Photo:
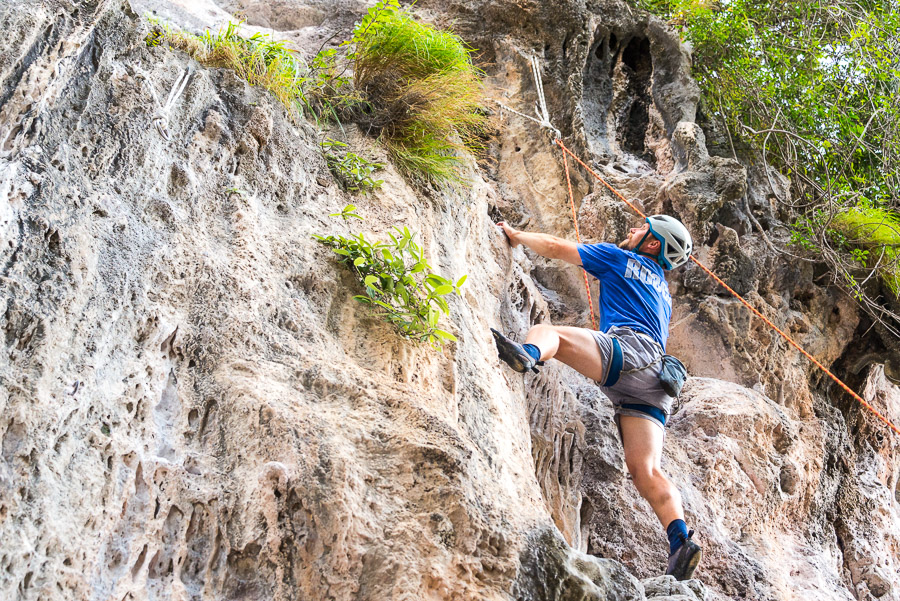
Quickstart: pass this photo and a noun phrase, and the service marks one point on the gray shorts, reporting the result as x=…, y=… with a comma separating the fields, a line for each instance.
x=642, y=354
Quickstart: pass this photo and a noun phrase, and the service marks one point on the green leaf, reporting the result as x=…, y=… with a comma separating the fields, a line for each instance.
x=370, y=280
x=436, y=280
x=444, y=289
x=444, y=335
x=461, y=281
x=440, y=302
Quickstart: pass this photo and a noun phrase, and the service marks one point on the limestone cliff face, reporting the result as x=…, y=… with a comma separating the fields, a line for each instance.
x=193, y=407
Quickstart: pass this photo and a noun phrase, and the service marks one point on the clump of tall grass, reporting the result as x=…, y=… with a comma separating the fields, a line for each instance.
x=423, y=93
x=874, y=235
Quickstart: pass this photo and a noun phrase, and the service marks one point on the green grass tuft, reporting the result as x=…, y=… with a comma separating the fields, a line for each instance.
x=265, y=62
x=413, y=86
x=875, y=233
x=423, y=93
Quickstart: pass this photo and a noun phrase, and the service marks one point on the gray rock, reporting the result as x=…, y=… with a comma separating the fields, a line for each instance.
x=666, y=587
x=193, y=406
x=550, y=570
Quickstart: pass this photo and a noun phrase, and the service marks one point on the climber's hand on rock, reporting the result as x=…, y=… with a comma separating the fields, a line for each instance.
x=511, y=233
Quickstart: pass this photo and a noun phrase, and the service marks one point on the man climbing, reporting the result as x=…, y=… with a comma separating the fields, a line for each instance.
x=625, y=356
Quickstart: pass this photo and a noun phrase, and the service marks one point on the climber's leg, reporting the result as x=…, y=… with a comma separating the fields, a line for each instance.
x=576, y=347
x=642, y=440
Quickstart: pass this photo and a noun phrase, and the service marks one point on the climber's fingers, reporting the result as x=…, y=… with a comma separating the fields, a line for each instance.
x=510, y=233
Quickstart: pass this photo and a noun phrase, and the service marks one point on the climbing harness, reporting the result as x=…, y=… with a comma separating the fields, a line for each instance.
x=544, y=122
x=161, y=116
x=616, y=361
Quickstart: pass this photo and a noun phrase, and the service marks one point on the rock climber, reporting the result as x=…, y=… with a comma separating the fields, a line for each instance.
x=625, y=356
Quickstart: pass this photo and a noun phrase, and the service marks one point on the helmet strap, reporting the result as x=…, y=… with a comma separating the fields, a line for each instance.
x=648, y=255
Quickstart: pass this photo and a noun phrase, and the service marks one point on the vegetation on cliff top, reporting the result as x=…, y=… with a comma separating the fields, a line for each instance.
x=422, y=91
x=811, y=88
x=258, y=59
x=414, y=87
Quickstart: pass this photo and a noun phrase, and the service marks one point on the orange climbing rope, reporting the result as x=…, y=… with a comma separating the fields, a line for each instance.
x=790, y=340
x=587, y=287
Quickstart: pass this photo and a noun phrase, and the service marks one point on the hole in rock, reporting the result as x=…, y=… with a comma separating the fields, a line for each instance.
x=139, y=563
x=633, y=127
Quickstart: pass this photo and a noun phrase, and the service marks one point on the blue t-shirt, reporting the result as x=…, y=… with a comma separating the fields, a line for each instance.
x=633, y=290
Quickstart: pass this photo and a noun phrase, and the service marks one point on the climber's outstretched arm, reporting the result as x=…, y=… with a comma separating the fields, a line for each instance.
x=543, y=244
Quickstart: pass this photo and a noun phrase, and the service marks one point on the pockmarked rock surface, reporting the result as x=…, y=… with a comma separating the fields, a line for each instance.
x=192, y=406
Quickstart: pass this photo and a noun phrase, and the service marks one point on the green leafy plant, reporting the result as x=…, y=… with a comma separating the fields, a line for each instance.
x=353, y=172
x=398, y=281
x=328, y=88
x=423, y=93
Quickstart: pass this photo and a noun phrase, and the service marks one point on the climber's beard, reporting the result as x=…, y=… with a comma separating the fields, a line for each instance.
x=625, y=244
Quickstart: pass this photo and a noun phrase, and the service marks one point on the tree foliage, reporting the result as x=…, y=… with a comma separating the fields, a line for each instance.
x=811, y=88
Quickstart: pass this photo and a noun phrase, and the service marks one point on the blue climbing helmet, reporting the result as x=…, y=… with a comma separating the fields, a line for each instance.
x=675, y=239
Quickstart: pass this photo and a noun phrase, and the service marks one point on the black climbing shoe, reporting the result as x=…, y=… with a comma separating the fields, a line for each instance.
x=513, y=354
x=683, y=561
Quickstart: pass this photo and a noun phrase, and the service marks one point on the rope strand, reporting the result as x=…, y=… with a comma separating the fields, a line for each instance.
x=544, y=122
x=587, y=286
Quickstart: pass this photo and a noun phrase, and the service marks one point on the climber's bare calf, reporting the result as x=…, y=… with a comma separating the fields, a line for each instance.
x=643, y=443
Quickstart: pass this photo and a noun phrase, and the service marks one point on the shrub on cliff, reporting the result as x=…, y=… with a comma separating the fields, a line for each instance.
x=872, y=237
x=398, y=282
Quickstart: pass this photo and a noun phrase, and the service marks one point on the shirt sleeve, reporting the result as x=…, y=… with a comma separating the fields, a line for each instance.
x=597, y=259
